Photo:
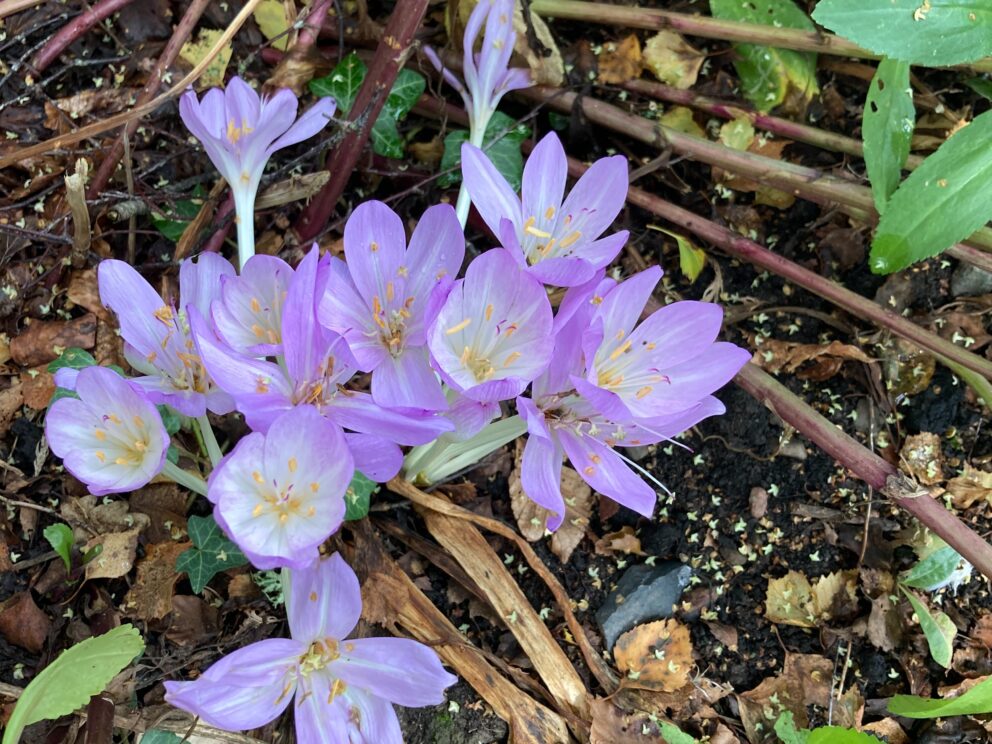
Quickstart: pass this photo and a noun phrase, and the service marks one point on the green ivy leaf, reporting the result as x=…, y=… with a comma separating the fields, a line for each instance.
x=60, y=537
x=170, y=419
x=770, y=76
x=60, y=393
x=503, y=150
x=358, y=497
x=838, y=735
x=69, y=682
x=342, y=83
x=785, y=729
x=935, y=33
x=941, y=202
x=158, y=736
x=933, y=571
x=385, y=136
x=211, y=553
x=72, y=358
x=888, y=128
x=672, y=734
x=938, y=629
x=406, y=91
x=974, y=701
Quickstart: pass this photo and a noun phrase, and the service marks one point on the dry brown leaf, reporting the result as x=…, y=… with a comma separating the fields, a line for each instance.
x=885, y=628
x=655, y=656
x=805, y=680
x=23, y=623
x=90, y=517
x=726, y=634
x=785, y=356
x=835, y=595
x=116, y=556
x=165, y=506
x=61, y=113
x=150, y=598
x=982, y=632
x=38, y=386
x=622, y=541
x=11, y=401
x=921, y=458
x=764, y=194
x=790, y=601
x=43, y=341
x=621, y=61
x=888, y=728
x=971, y=486
x=578, y=506
x=673, y=60
x=428, y=153
x=83, y=291
x=611, y=725
x=192, y=621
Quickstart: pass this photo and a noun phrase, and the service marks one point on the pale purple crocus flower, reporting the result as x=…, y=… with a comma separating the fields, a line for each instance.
x=240, y=131
x=316, y=365
x=279, y=495
x=379, y=300
x=487, y=74
x=111, y=437
x=556, y=238
x=562, y=422
x=492, y=335
x=248, y=314
x=344, y=690
x=156, y=335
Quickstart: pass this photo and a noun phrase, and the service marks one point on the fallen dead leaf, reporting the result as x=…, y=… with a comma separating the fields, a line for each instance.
x=622, y=541
x=971, y=486
x=655, y=656
x=23, y=623
x=193, y=52
x=793, y=600
x=888, y=728
x=84, y=291
x=165, y=506
x=673, y=60
x=11, y=401
x=89, y=517
x=43, y=341
x=908, y=369
x=578, y=506
x=982, y=632
x=621, y=61
x=726, y=634
x=116, y=556
x=38, y=386
x=682, y=119
x=192, y=621
x=150, y=598
x=62, y=113
x=763, y=194
x=785, y=356
x=613, y=725
x=921, y=458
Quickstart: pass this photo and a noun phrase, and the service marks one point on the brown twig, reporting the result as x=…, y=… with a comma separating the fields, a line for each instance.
x=74, y=29
x=392, y=52
x=165, y=60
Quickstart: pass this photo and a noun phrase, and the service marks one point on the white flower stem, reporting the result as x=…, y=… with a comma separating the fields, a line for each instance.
x=477, y=134
x=209, y=439
x=244, y=211
x=184, y=478
x=445, y=457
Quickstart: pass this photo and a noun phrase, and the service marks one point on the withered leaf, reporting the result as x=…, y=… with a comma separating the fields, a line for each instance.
x=23, y=623
x=673, y=60
x=150, y=598
x=784, y=356
x=655, y=656
x=116, y=556
x=922, y=458
x=971, y=486
x=43, y=341
x=621, y=61
x=622, y=541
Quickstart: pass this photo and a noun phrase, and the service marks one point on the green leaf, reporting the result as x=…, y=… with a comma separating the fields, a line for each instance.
x=69, y=682
x=170, y=419
x=358, y=497
x=785, y=728
x=60, y=393
x=211, y=553
x=941, y=202
x=60, y=537
x=158, y=736
x=406, y=91
x=385, y=136
x=72, y=358
x=501, y=143
x=672, y=734
x=172, y=229
x=933, y=571
x=981, y=85
x=691, y=259
x=934, y=33
x=342, y=83
x=770, y=76
x=938, y=629
x=839, y=735
x=974, y=701
x=888, y=128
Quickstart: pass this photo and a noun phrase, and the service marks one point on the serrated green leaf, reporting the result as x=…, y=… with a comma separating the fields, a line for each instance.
x=501, y=143
x=941, y=202
x=938, y=629
x=974, y=701
x=406, y=90
x=342, y=83
x=72, y=358
x=211, y=553
x=69, y=682
x=933, y=571
x=785, y=729
x=839, y=735
x=385, y=136
x=888, y=128
x=934, y=33
x=60, y=537
x=358, y=497
x=770, y=76
x=672, y=734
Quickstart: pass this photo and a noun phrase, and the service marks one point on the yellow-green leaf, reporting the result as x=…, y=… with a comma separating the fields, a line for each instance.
x=270, y=15
x=691, y=259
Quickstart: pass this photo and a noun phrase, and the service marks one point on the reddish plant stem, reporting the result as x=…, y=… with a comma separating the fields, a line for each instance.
x=74, y=29
x=216, y=241
x=867, y=466
x=390, y=56
x=808, y=183
x=774, y=124
x=165, y=60
x=292, y=69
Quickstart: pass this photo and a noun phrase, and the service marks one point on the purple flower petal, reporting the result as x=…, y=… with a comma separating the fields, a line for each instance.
x=491, y=194
x=324, y=600
x=318, y=721
x=597, y=198
x=376, y=458
x=540, y=466
x=200, y=280
x=407, y=381
x=358, y=412
x=544, y=183
x=399, y=670
x=313, y=120
x=606, y=472
x=248, y=314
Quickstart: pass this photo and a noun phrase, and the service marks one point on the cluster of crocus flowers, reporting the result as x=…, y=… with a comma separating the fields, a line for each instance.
x=341, y=690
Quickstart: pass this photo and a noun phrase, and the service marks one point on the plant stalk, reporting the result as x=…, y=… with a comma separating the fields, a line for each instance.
x=710, y=28
x=209, y=440
x=184, y=478
x=394, y=48
x=74, y=29
x=867, y=466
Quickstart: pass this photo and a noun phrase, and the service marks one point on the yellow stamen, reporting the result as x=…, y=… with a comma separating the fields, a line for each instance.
x=570, y=239
x=313, y=596
x=152, y=356
x=511, y=358
x=114, y=417
x=292, y=464
x=466, y=353
x=336, y=689
x=257, y=477
x=531, y=230
x=644, y=392
x=100, y=434
x=390, y=292
x=373, y=246
x=261, y=385
x=589, y=470
x=620, y=350
x=164, y=314
x=258, y=330
x=549, y=213
x=257, y=511
x=459, y=327
x=100, y=456
x=256, y=306
x=314, y=487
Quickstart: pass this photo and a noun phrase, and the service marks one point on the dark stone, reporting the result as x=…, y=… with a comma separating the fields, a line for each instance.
x=648, y=592
x=969, y=280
